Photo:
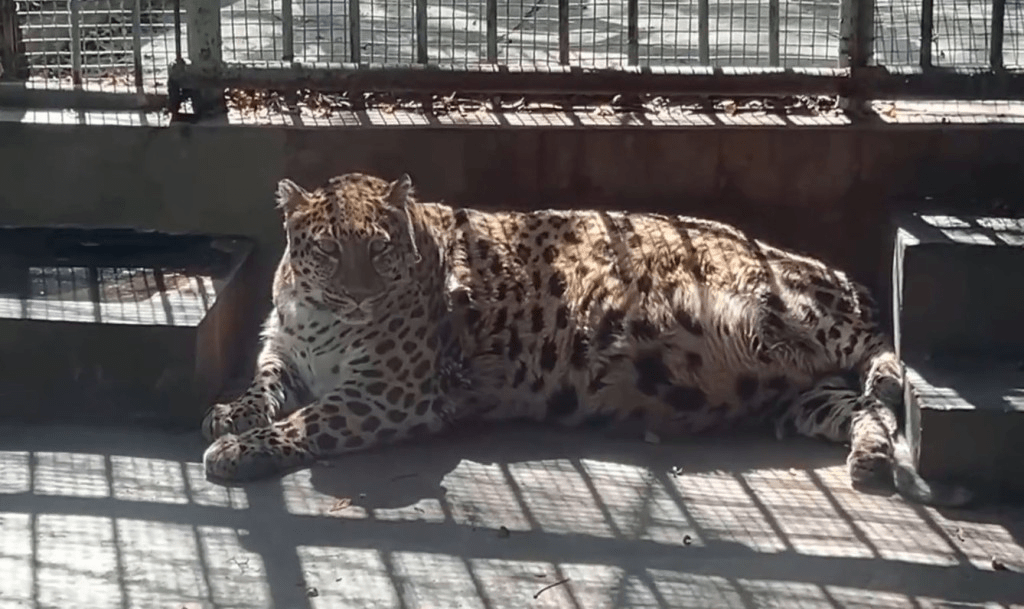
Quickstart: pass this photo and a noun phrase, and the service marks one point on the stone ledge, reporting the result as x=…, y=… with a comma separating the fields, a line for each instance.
x=118, y=326
x=967, y=422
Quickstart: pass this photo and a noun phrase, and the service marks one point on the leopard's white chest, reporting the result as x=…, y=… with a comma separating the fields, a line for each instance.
x=321, y=350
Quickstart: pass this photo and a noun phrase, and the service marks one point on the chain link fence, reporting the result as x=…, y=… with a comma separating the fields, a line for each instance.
x=127, y=45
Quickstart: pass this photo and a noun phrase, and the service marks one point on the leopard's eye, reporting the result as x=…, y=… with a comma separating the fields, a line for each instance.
x=378, y=246
x=327, y=246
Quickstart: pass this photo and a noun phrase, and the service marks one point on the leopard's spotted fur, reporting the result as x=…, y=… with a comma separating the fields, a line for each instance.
x=395, y=318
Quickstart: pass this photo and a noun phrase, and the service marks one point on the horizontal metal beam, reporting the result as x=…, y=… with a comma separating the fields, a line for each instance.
x=485, y=79
x=17, y=95
x=867, y=82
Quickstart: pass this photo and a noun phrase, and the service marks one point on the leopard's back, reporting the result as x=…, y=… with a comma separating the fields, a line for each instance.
x=676, y=322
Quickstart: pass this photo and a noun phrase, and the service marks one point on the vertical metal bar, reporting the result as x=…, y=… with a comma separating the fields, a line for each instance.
x=704, y=32
x=998, y=25
x=205, y=45
x=205, y=49
x=492, y=31
x=927, y=32
x=8, y=51
x=93, y=287
x=847, y=32
x=774, y=28
x=633, y=32
x=177, y=32
x=355, y=45
x=137, y=42
x=563, y=32
x=287, y=31
x=856, y=42
x=421, y=31
x=74, y=18
x=865, y=32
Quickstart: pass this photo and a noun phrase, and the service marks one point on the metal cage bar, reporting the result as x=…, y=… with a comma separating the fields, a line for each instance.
x=927, y=32
x=137, y=43
x=76, y=41
x=774, y=27
x=421, y=31
x=205, y=52
x=178, y=58
x=998, y=24
x=563, y=32
x=492, y=31
x=856, y=33
x=633, y=32
x=355, y=46
x=704, y=32
x=287, y=31
x=203, y=30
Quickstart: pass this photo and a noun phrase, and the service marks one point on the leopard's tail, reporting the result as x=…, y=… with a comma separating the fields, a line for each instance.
x=911, y=486
x=885, y=379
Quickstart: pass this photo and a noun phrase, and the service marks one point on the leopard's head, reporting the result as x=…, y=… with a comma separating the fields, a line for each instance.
x=350, y=242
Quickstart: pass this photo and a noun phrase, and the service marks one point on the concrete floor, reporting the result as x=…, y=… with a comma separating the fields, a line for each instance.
x=124, y=518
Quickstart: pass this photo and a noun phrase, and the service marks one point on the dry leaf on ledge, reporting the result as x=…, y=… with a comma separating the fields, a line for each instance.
x=340, y=504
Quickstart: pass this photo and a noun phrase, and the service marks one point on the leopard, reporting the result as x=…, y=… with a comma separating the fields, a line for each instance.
x=396, y=318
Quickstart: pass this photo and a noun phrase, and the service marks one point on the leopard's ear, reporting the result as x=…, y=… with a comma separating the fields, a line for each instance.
x=399, y=191
x=398, y=197
x=290, y=196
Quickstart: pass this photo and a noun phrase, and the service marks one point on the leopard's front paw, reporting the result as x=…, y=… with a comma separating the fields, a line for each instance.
x=870, y=462
x=242, y=457
x=223, y=419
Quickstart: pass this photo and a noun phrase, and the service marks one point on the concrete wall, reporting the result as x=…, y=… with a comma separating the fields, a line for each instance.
x=824, y=190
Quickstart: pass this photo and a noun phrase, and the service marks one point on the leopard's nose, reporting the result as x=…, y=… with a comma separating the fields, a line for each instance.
x=362, y=293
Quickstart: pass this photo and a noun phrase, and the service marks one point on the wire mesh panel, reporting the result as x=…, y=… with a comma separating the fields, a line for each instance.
x=125, y=45
x=600, y=37
x=739, y=33
x=669, y=32
x=388, y=31
x=319, y=28
x=897, y=32
x=384, y=32
x=962, y=33
x=111, y=295
x=809, y=33
x=113, y=45
x=251, y=30
x=1013, y=45
x=457, y=32
x=596, y=33
x=528, y=32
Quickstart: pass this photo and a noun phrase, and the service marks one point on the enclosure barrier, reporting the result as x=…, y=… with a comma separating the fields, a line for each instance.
x=191, y=49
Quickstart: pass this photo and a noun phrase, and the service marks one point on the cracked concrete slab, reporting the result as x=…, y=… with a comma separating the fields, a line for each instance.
x=524, y=517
